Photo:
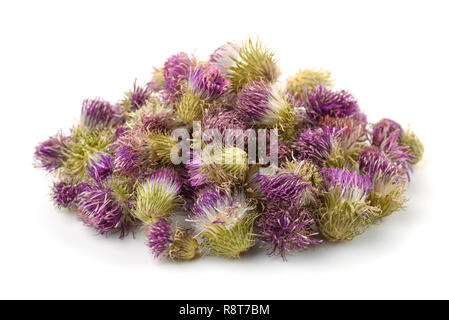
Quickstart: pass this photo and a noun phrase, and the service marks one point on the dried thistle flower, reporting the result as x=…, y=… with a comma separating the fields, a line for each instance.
x=384, y=129
x=205, y=84
x=106, y=206
x=224, y=223
x=65, y=193
x=176, y=71
x=100, y=166
x=99, y=114
x=264, y=105
x=223, y=168
x=254, y=62
x=296, y=183
x=343, y=212
x=283, y=229
x=388, y=179
x=158, y=197
x=321, y=101
x=49, y=154
x=135, y=98
x=81, y=147
x=331, y=147
x=170, y=242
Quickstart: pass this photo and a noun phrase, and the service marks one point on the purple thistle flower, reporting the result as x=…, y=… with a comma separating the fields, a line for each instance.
x=100, y=167
x=384, y=129
x=159, y=236
x=120, y=131
x=126, y=157
x=375, y=164
x=224, y=120
x=284, y=229
x=176, y=72
x=155, y=122
x=207, y=197
x=168, y=177
x=399, y=154
x=351, y=186
x=321, y=101
x=317, y=144
x=137, y=97
x=287, y=187
x=65, y=194
x=253, y=101
x=49, y=154
x=96, y=113
x=100, y=209
x=197, y=175
x=207, y=82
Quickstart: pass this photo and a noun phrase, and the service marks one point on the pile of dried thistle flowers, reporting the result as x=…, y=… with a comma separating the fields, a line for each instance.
x=336, y=173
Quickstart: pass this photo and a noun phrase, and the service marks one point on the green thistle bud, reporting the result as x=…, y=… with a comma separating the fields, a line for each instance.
x=158, y=197
x=162, y=145
x=343, y=212
x=254, y=62
x=226, y=242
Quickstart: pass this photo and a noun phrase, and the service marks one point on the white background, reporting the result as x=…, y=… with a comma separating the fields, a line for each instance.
x=392, y=55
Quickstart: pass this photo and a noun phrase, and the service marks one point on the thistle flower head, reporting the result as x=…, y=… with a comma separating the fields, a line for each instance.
x=224, y=57
x=384, y=129
x=332, y=146
x=252, y=101
x=317, y=144
x=265, y=105
x=224, y=167
x=81, y=147
x=135, y=98
x=307, y=79
x=351, y=186
x=223, y=222
x=99, y=114
x=100, y=208
x=174, y=243
x=343, y=212
x=286, y=228
x=100, y=166
x=388, y=179
x=196, y=170
x=154, y=117
x=321, y=101
x=176, y=72
x=65, y=193
x=254, y=62
x=416, y=147
x=207, y=82
x=158, y=196
x=397, y=153
x=222, y=120
x=49, y=154
x=159, y=236
x=296, y=182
